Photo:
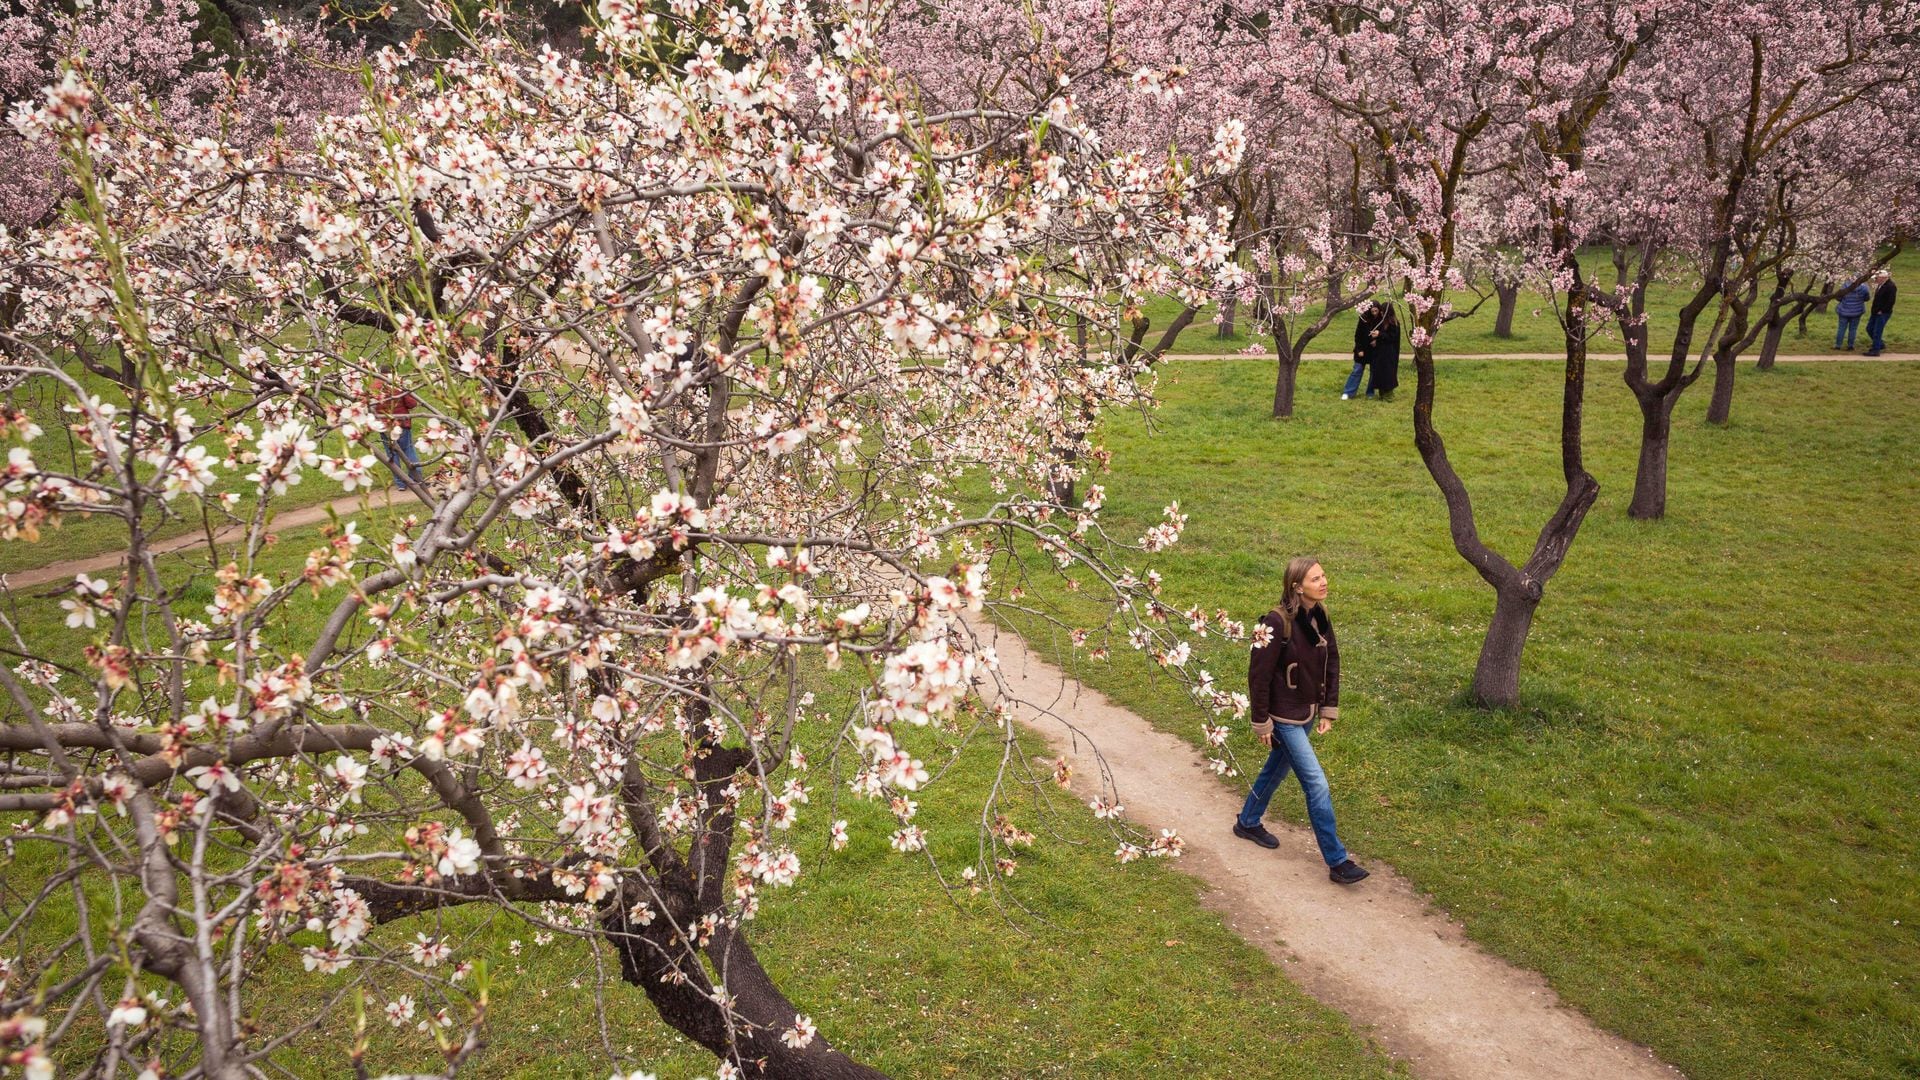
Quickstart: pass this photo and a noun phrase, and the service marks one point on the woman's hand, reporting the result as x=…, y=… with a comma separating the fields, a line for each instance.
x=1263, y=730
x=1325, y=725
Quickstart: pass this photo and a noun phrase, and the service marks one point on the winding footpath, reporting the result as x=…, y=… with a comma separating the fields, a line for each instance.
x=1402, y=971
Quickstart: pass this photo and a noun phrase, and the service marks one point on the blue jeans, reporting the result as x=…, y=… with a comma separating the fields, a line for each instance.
x=1292, y=750
x=1353, y=380
x=1843, y=334
x=395, y=450
x=1877, y=326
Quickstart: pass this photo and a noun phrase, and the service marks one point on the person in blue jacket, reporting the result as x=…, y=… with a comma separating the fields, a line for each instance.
x=1853, y=304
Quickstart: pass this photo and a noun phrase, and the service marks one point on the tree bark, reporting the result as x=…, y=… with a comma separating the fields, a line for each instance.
x=1509, y=294
x=1650, y=477
x=655, y=959
x=1770, y=344
x=1720, y=405
x=1227, y=312
x=1287, y=371
x=1496, y=678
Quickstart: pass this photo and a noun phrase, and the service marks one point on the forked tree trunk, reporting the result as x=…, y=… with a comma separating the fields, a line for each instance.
x=1496, y=678
x=1509, y=295
x=1650, y=477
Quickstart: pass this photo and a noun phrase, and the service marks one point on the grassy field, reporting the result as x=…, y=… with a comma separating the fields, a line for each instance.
x=1700, y=826
x=1088, y=969
x=1535, y=329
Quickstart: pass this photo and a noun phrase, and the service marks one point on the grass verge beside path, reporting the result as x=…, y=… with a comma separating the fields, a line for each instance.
x=1700, y=826
x=1110, y=971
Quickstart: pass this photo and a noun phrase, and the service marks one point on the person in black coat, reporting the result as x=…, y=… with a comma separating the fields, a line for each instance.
x=1376, y=350
x=1882, y=311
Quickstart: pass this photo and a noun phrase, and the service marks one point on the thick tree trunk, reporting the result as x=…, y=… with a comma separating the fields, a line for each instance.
x=1496, y=679
x=1770, y=344
x=1650, y=478
x=654, y=959
x=1288, y=370
x=1720, y=407
x=1227, y=312
x=1509, y=295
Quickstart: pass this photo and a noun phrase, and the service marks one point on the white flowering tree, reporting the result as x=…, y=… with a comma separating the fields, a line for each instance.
x=738, y=376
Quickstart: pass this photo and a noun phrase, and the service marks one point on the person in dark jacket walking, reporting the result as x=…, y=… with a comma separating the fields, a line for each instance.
x=1853, y=304
x=1293, y=680
x=1882, y=311
x=1376, y=342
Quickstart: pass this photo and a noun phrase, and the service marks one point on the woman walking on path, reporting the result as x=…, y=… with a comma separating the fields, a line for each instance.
x=1853, y=304
x=1376, y=350
x=1294, y=681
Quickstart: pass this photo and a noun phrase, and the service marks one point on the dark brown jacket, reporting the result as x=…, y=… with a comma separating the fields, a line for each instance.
x=1295, y=672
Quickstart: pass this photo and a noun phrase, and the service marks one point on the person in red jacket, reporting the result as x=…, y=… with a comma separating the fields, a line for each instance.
x=1293, y=681
x=394, y=407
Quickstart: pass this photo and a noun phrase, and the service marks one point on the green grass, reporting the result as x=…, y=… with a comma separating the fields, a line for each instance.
x=1700, y=825
x=79, y=536
x=1092, y=968
x=1534, y=326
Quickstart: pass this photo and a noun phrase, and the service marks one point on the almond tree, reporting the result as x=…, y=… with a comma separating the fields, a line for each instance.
x=1449, y=93
x=1738, y=87
x=740, y=372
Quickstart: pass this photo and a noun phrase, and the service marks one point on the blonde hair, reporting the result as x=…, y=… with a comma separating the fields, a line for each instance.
x=1292, y=598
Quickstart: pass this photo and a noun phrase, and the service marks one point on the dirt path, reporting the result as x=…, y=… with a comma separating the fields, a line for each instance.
x=1885, y=358
x=292, y=519
x=1376, y=951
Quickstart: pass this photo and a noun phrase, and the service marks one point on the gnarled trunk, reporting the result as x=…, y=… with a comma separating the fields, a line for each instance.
x=1509, y=295
x=1496, y=678
x=1770, y=344
x=1720, y=406
x=655, y=959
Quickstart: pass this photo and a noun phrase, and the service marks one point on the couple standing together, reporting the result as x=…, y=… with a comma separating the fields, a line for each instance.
x=1853, y=304
x=1293, y=681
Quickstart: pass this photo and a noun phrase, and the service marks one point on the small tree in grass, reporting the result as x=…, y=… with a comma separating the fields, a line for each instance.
x=708, y=333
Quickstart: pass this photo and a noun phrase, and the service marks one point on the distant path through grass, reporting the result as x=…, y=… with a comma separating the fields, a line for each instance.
x=293, y=519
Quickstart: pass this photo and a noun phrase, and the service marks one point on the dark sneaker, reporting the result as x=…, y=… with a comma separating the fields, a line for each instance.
x=1259, y=835
x=1346, y=873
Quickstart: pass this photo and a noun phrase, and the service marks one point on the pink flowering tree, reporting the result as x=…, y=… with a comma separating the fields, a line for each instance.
x=1452, y=97
x=134, y=49
x=1743, y=98
x=742, y=375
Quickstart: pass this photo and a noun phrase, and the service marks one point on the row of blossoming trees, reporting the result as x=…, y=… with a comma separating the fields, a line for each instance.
x=754, y=343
